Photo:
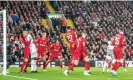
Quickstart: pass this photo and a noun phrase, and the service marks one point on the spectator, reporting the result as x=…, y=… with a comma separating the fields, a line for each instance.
x=15, y=19
x=63, y=25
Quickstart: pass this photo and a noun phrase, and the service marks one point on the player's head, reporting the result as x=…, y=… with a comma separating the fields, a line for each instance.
x=104, y=44
x=83, y=34
x=121, y=30
x=25, y=33
x=44, y=34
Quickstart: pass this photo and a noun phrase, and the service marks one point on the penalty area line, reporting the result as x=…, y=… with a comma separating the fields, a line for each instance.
x=20, y=77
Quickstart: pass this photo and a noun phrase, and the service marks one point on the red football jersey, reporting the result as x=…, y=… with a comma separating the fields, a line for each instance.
x=83, y=44
x=78, y=46
x=43, y=44
x=71, y=36
x=56, y=48
x=119, y=40
x=26, y=42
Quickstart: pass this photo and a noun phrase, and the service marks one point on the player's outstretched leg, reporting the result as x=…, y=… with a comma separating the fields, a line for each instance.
x=61, y=64
x=87, y=66
x=24, y=65
x=33, y=65
x=109, y=66
x=9, y=63
x=116, y=67
x=113, y=72
x=60, y=59
x=45, y=64
x=124, y=66
x=70, y=67
x=104, y=67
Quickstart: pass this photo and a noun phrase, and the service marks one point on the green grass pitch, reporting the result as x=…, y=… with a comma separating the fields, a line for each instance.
x=56, y=74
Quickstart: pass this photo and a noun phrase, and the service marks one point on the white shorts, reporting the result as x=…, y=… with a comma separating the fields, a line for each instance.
x=33, y=55
x=113, y=61
x=110, y=59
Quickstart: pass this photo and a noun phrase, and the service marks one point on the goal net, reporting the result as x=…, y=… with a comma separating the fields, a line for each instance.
x=3, y=60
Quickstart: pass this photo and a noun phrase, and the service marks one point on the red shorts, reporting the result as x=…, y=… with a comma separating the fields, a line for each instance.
x=71, y=48
x=118, y=53
x=26, y=52
x=76, y=56
x=54, y=56
x=26, y=55
x=84, y=54
x=41, y=53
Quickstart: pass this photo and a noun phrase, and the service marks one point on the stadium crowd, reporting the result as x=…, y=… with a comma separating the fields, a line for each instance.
x=100, y=19
x=103, y=18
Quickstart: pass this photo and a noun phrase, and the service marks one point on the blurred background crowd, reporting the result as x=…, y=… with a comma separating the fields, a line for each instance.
x=100, y=19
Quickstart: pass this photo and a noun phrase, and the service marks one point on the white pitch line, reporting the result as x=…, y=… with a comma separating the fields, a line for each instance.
x=20, y=77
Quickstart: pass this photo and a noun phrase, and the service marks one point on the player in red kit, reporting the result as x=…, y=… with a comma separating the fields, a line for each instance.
x=119, y=45
x=26, y=43
x=84, y=56
x=43, y=48
x=71, y=36
x=75, y=57
x=55, y=52
x=79, y=54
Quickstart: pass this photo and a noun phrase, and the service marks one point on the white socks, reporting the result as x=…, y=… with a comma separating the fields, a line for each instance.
x=33, y=65
x=105, y=66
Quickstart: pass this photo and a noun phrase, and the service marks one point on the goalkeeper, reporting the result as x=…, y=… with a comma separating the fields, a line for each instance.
x=12, y=52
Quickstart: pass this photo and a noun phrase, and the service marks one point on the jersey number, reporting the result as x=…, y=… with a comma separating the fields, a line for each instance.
x=117, y=39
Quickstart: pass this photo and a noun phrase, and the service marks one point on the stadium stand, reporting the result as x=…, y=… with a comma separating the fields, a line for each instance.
x=103, y=20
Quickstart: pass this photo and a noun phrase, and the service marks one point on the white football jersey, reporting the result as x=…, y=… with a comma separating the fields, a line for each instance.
x=33, y=49
x=110, y=50
x=110, y=53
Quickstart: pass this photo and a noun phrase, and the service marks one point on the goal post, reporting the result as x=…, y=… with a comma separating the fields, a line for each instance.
x=3, y=18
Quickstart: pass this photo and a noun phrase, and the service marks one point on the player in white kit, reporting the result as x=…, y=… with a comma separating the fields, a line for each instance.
x=33, y=52
x=109, y=59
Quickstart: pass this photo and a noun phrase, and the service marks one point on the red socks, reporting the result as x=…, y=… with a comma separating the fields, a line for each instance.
x=45, y=65
x=116, y=66
x=23, y=67
x=87, y=66
x=109, y=65
x=61, y=66
x=71, y=66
